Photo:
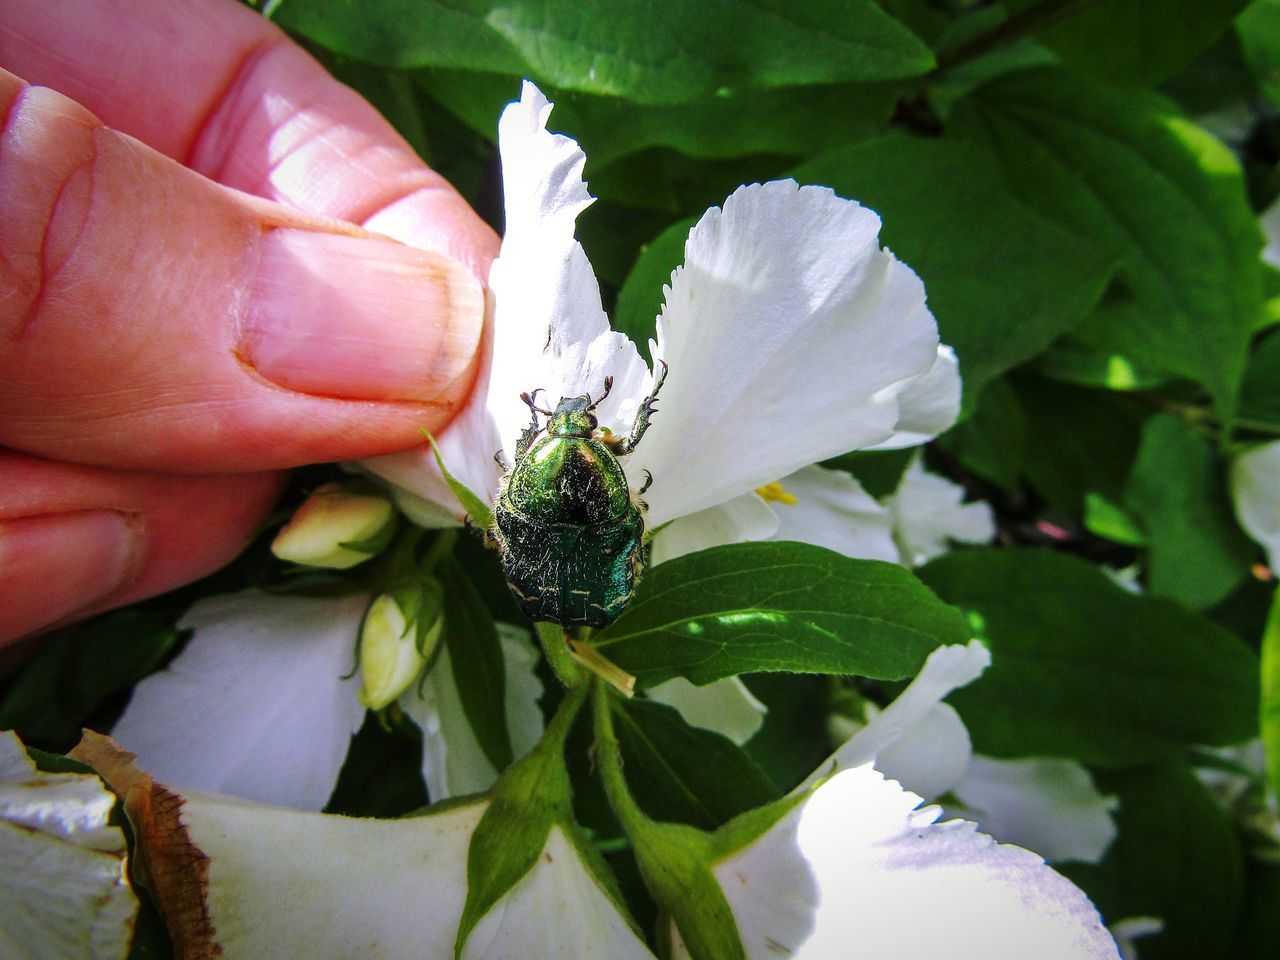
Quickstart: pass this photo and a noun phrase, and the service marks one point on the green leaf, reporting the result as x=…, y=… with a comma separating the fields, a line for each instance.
x=1137, y=42
x=1103, y=518
x=382, y=774
x=1259, y=929
x=1083, y=669
x=992, y=442
x=1077, y=441
x=1259, y=30
x=1003, y=281
x=650, y=51
x=79, y=669
x=475, y=654
x=765, y=607
x=1195, y=551
x=678, y=772
x=1176, y=857
x=794, y=738
x=788, y=121
x=1259, y=398
x=1151, y=189
x=1269, y=709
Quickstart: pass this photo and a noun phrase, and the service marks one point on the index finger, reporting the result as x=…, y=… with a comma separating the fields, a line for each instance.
x=224, y=91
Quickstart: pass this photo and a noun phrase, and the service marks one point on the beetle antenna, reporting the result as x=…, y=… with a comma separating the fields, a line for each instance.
x=608, y=385
x=531, y=400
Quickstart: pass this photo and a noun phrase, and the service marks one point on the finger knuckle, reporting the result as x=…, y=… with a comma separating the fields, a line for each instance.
x=47, y=155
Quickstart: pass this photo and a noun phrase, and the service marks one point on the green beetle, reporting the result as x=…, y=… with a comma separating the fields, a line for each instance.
x=566, y=522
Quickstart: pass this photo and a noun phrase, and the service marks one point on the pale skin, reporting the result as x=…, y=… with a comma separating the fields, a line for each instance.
x=192, y=297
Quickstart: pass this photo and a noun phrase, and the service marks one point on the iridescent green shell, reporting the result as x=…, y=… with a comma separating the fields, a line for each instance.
x=569, y=532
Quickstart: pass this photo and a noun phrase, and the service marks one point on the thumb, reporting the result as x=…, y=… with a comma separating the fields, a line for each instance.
x=150, y=318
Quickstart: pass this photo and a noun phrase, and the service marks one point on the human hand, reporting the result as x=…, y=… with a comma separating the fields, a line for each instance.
x=168, y=345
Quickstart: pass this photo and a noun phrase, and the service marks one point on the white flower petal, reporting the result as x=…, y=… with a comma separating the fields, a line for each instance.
x=1045, y=804
x=833, y=511
x=322, y=886
x=946, y=669
x=556, y=910
x=60, y=901
x=930, y=755
x=244, y=880
x=256, y=705
x=738, y=520
x=63, y=889
x=15, y=764
x=70, y=806
x=928, y=513
x=549, y=328
x=453, y=762
x=785, y=295
x=724, y=706
x=1255, y=487
x=888, y=881
x=929, y=405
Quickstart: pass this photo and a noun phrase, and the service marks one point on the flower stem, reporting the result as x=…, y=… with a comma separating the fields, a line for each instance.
x=1024, y=24
x=555, y=644
x=595, y=661
x=609, y=758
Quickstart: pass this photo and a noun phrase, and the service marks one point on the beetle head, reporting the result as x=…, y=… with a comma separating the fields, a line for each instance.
x=573, y=418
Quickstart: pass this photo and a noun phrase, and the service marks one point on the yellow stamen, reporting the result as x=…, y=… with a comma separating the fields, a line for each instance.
x=777, y=493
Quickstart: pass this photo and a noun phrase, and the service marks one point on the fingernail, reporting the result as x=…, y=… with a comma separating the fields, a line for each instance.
x=55, y=564
x=360, y=318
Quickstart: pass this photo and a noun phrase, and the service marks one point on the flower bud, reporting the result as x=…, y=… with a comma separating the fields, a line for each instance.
x=336, y=528
x=400, y=634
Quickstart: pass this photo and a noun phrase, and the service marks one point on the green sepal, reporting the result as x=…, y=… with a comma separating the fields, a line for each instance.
x=474, y=505
x=531, y=796
x=675, y=861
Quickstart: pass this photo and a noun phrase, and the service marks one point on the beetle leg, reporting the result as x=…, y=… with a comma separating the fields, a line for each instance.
x=529, y=433
x=500, y=459
x=648, y=482
x=647, y=409
x=608, y=385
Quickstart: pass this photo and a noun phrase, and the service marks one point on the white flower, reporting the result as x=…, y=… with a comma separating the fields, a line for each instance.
x=262, y=703
x=856, y=869
x=789, y=334
x=1049, y=805
x=1255, y=487
x=919, y=521
x=929, y=513
x=64, y=893
x=240, y=879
